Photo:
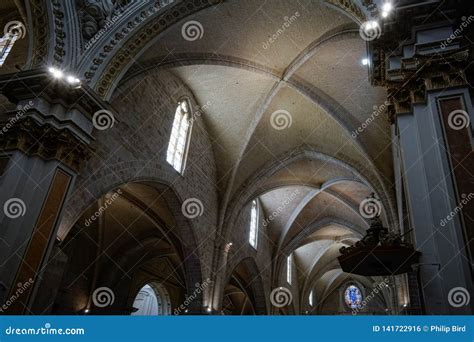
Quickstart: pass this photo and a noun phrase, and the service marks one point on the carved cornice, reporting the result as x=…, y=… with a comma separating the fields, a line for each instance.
x=40, y=21
x=350, y=7
x=45, y=141
x=415, y=54
x=59, y=30
x=56, y=121
x=129, y=47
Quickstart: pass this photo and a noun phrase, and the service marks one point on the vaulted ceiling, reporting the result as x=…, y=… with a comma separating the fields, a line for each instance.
x=253, y=63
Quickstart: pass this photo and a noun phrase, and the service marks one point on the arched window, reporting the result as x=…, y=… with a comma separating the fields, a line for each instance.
x=152, y=300
x=353, y=297
x=289, y=268
x=310, y=298
x=253, y=233
x=6, y=44
x=179, y=139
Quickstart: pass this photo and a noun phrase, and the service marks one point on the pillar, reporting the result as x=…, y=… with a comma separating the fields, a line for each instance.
x=43, y=144
x=420, y=58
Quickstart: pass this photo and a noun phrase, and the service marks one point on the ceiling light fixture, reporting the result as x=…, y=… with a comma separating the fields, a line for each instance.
x=56, y=73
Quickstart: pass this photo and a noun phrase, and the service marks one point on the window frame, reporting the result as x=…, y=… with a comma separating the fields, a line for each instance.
x=289, y=269
x=254, y=204
x=188, y=135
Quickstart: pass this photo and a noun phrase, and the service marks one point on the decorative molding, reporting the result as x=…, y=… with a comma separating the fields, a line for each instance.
x=350, y=7
x=124, y=52
x=416, y=53
x=45, y=141
x=41, y=37
x=59, y=30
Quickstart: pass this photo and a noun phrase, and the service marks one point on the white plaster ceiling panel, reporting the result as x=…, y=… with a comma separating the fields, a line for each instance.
x=332, y=231
x=353, y=191
x=323, y=206
x=278, y=205
x=310, y=125
x=336, y=68
x=310, y=172
x=271, y=32
x=230, y=98
x=306, y=255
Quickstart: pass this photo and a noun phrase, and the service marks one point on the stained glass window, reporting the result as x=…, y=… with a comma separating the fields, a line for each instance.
x=253, y=225
x=353, y=297
x=178, y=144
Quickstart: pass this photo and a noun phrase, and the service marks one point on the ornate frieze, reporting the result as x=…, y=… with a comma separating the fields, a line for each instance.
x=53, y=120
x=94, y=14
x=420, y=50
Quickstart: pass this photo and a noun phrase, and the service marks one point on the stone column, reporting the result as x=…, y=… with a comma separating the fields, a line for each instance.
x=420, y=58
x=43, y=144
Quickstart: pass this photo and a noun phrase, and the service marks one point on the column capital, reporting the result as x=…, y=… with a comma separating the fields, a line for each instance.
x=52, y=120
x=421, y=48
